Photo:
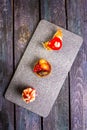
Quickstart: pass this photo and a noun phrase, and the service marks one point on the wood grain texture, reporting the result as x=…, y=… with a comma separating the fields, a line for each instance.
x=75, y=24
x=54, y=11
x=58, y=118
x=6, y=64
x=84, y=65
x=26, y=17
x=76, y=94
x=85, y=95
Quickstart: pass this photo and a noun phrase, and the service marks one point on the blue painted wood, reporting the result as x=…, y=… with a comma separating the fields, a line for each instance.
x=26, y=17
x=58, y=12
x=58, y=119
x=85, y=66
x=54, y=11
x=75, y=13
x=6, y=64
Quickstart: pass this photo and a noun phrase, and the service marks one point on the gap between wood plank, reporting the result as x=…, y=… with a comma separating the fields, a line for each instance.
x=13, y=34
x=69, y=102
x=13, y=55
x=69, y=72
x=39, y=10
x=66, y=14
x=41, y=123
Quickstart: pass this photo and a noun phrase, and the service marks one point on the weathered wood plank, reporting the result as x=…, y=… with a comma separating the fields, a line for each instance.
x=75, y=24
x=54, y=11
x=6, y=64
x=58, y=118
x=76, y=94
x=85, y=66
x=26, y=17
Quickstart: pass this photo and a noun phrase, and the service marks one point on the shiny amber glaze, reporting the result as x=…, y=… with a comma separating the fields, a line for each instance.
x=42, y=68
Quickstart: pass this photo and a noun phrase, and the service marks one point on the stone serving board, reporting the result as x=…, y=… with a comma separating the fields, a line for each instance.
x=48, y=87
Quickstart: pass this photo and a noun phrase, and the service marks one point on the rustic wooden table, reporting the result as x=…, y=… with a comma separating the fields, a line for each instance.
x=18, y=20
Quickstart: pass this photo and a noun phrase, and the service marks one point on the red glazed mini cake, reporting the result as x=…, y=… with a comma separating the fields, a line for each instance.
x=29, y=94
x=42, y=68
x=55, y=43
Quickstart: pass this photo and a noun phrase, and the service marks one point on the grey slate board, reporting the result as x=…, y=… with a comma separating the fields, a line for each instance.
x=49, y=87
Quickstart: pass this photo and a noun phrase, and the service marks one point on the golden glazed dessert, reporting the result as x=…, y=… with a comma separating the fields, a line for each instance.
x=55, y=43
x=29, y=94
x=42, y=68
